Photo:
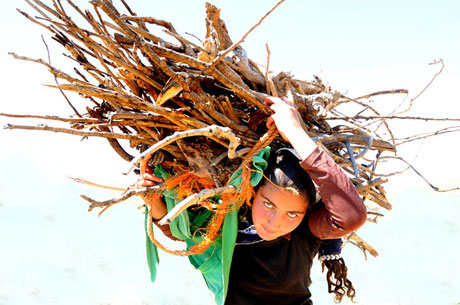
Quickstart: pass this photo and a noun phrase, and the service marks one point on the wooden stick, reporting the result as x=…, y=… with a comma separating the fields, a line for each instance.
x=209, y=131
x=364, y=187
x=394, y=91
x=363, y=244
x=219, y=58
x=194, y=199
x=355, y=139
x=83, y=181
x=128, y=194
x=108, y=135
x=392, y=117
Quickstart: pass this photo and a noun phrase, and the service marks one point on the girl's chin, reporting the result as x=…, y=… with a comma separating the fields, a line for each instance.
x=267, y=234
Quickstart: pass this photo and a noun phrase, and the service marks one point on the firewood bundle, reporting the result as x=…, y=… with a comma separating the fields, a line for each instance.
x=198, y=105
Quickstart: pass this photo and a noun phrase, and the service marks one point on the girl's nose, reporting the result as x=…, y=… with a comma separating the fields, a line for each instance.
x=274, y=220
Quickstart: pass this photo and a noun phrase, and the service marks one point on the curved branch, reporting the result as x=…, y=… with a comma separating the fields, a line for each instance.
x=194, y=199
x=426, y=87
x=209, y=131
x=437, y=189
x=129, y=193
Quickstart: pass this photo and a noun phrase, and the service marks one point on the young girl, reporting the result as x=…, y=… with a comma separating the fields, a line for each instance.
x=282, y=232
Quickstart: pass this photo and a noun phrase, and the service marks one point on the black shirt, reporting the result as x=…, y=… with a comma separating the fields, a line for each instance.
x=273, y=272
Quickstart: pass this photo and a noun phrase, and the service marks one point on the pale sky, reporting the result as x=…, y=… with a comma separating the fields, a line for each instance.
x=54, y=252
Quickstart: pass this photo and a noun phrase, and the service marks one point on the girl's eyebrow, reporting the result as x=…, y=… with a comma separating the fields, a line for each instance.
x=266, y=198
x=271, y=202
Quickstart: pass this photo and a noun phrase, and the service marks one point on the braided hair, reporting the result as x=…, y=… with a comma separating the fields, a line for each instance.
x=337, y=281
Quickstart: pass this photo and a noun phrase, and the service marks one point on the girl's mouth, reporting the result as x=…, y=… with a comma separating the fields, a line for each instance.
x=268, y=230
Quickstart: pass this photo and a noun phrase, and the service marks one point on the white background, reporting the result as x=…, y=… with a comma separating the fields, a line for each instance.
x=54, y=252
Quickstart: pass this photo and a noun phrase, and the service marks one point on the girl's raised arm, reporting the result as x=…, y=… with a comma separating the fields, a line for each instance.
x=343, y=210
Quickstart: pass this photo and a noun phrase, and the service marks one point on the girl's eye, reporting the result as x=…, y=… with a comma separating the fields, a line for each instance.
x=292, y=215
x=268, y=204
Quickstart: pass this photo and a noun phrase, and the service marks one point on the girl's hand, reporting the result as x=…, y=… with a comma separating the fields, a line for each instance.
x=147, y=178
x=289, y=123
x=285, y=117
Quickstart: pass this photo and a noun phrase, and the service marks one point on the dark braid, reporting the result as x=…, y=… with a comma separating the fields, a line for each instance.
x=337, y=281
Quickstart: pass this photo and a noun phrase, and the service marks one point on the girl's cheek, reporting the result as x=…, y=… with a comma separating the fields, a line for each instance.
x=258, y=214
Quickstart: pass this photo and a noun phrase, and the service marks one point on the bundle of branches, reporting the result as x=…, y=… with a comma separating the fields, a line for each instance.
x=198, y=107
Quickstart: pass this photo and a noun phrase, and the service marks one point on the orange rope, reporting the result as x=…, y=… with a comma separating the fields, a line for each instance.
x=158, y=244
x=187, y=184
x=245, y=190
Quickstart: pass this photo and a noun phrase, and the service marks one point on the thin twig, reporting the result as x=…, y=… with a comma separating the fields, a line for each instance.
x=437, y=189
x=393, y=91
x=55, y=79
x=435, y=62
x=185, y=41
x=427, y=135
x=86, y=182
x=128, y=194
x=219, y=58
x=391, y=117
x=108, y=135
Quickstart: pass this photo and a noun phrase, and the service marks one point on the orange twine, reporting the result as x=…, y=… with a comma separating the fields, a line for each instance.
x=188, y=184
x=160, y=245
x=245, y=191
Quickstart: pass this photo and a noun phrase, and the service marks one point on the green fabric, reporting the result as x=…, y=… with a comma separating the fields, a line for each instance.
x=259, y=164
x=180, y=226
x=230, y=226
x=214, y=263
x=152, y=252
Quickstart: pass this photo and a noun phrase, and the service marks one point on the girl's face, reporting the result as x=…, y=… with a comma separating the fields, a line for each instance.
x=277, y=212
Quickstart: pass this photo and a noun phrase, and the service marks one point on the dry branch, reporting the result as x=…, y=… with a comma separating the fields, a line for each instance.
x=127, y=194
x=109, y=135
x=157, y=94
x=210, y=132
x=363, y=244
x=194, y=199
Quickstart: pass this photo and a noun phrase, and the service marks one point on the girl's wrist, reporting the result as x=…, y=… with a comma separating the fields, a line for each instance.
x=157, y=205
x=302, y=144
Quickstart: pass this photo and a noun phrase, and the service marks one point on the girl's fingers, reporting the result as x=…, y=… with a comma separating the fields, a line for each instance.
x=270, y=122
x=148, y=180
x=143, y=182
x=270, y=100
x=144, y=165
x=152, y=178
x=288, y=100
x=145, y=168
